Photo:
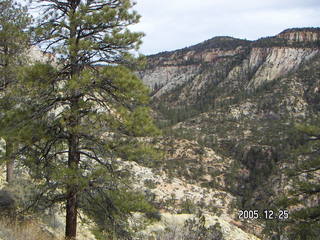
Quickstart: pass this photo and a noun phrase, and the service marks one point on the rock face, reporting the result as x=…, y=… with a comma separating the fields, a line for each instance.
x=169, y=77
x=242, y=64
x=301, y=35
x=276, y=63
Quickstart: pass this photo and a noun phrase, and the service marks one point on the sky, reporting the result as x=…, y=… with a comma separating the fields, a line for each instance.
x=175, y=24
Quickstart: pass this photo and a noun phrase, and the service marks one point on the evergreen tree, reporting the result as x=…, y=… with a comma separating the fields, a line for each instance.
x=303, y=200
x=14, y=43
x=76, y=119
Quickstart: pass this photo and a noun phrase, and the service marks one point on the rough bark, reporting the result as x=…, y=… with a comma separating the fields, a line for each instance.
x=72, y=201
x=9, y=161
x=71, y=217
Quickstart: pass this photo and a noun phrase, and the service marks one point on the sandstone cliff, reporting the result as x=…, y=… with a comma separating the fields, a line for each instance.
x=241, y=65
x=301, y=35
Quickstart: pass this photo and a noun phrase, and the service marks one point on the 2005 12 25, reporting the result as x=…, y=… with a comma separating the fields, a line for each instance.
x=266, y=214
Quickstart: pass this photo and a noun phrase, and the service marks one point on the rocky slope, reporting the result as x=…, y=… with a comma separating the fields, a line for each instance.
x=178, y=197
x=239, y=98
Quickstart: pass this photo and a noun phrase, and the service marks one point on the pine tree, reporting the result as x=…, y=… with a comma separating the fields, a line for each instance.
x=14, y=43
x=87, y=111
x=303, y=199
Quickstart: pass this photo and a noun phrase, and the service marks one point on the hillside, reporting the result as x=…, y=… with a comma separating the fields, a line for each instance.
x=241, y=99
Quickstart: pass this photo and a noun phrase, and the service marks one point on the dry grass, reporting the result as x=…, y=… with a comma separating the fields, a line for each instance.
x=23, y=230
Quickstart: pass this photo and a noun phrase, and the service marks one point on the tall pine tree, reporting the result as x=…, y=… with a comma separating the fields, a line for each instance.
x=87, y=111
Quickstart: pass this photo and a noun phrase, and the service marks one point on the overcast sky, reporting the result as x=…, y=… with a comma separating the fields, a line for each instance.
x=174, y=24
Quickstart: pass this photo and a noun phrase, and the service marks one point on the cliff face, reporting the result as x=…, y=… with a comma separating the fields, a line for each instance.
x=301, y=35
x=243, y=65
x=273, y=63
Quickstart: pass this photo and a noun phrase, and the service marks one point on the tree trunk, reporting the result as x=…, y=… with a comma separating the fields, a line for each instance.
x=71, y=217
x=72, y=189
x=9, y=161
x=74, y=121
x=73, y=165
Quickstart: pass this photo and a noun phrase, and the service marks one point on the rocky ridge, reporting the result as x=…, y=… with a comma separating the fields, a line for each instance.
x=301, y=35
x=242, y=65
